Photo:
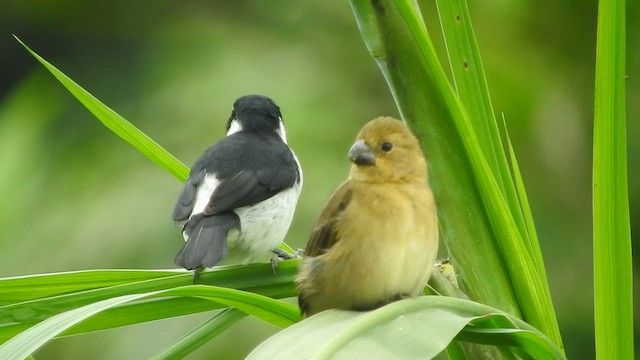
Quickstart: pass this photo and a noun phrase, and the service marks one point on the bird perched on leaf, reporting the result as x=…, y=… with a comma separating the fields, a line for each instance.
x=376, y=239
x=241, y=194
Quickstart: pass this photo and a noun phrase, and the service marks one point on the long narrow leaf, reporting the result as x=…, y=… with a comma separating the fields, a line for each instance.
x=19, y=315
x=23, y=288
x=117, y=123
x=473, y=91
x=612, y=238
x=200, y=335
x=32, y=339
x=533, y=295
x=262, y=307
x=463, y=222
x=471, y=86
x=526, y=209
x=405, y=54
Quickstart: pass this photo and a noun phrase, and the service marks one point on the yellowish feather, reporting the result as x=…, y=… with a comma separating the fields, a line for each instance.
x=377, y=238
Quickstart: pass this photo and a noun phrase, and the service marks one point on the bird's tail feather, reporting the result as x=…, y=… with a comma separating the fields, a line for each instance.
x=206, y=241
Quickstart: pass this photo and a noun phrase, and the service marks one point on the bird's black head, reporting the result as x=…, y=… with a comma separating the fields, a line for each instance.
x=255, y=113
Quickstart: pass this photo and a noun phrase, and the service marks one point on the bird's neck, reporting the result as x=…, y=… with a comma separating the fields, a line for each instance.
x=373, y=175
x=235, y=127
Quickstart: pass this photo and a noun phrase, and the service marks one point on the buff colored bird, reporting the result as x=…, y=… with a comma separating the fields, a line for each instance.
x=377, y=238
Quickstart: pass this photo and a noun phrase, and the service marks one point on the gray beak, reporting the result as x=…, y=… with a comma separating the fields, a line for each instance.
x=361, y=154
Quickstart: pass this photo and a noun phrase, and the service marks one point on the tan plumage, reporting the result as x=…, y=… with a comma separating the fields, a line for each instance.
x=377, y=238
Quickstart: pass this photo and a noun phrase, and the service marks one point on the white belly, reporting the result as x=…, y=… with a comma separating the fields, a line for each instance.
x=263, y=226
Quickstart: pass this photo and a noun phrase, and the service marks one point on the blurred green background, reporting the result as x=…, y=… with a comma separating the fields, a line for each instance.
x=76, y=197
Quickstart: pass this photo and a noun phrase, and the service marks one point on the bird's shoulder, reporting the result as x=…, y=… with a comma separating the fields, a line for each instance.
x=241, y=169
x=244, y=151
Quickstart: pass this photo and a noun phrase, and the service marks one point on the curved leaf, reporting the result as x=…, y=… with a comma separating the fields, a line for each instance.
x=25, y=343
x=413, y=328
x=262, y=307
x=200, y=335
x=43, y=296
x=117, y=123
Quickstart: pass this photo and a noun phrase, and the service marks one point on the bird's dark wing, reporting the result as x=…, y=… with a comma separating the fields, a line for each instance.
x=187, y=198
x=324, y=234
x=251, y=168
x=250, y=186
x=323, y=237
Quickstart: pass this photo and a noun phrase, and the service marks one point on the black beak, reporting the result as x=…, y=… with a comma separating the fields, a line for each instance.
x=361, y=154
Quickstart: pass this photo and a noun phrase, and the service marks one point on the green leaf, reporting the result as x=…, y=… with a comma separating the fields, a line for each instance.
x=262, y=307
x=472, y=89
x=265, y=308
x=418, y=85
x=421, y=327
x=487, y=237
x=117, y=123
x=525, y=208
x=613, y=266
x=32, y=339
x=22, y=288
x=471, y=86
x=200, y=335
x=532, y=293
x=39, y=300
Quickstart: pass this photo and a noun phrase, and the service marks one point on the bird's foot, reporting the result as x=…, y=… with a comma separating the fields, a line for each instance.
x=283, y=255
x=195, y=274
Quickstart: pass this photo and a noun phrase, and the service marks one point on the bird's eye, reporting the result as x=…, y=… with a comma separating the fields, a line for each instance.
x=386, y=147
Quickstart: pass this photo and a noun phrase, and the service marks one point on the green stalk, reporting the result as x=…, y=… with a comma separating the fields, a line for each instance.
x=467, y=177
x=613, y=269
x=200, y=335
x=472, y=89
x=417, y=85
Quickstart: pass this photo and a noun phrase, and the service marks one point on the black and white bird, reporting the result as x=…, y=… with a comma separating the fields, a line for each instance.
x=240, y=196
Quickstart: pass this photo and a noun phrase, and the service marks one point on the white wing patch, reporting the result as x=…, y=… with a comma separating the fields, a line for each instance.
x=203, y=196
x=281, y=132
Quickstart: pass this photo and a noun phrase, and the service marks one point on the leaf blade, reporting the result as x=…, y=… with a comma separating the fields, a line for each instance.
x=262, y=307
x=117, y=123
x=613, y=267
x=200, y=335
x=418, y=86
x=17, y=316
x=423, y=325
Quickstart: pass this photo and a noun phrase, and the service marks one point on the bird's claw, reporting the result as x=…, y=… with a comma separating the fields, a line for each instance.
x=282, y=255
x=195, y=274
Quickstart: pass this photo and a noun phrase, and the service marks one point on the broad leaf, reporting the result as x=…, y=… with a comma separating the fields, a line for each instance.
x=413, y=328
